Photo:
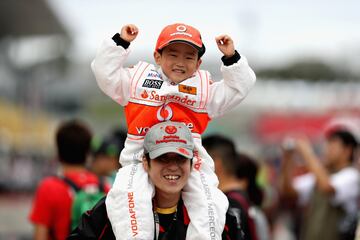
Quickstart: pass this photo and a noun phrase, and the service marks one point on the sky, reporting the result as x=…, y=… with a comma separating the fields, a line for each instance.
x=267, y=32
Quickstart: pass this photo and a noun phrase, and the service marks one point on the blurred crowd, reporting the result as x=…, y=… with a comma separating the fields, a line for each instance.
x=311, y=191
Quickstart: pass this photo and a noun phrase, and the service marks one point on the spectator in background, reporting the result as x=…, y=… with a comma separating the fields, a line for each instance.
x=237, y=179
x=106, y=153
x=246, y=172
x=51, y=210
x=330, y=190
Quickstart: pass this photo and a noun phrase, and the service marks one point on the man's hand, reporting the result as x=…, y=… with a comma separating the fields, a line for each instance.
x=225, y=45
x=304, y=147
x=129, y=32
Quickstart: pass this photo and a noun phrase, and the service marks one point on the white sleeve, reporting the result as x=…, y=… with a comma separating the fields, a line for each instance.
x=226, y=94
x=112, y=78
x=346, y=184
x=304, y=186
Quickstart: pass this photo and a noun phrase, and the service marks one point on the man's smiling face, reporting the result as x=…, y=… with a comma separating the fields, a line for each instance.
x=168, y=172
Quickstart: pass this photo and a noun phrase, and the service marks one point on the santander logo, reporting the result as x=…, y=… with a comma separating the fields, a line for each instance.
x=170, y=129
x=144, y=94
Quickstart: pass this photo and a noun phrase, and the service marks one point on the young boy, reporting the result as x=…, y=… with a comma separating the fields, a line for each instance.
x=177, y=91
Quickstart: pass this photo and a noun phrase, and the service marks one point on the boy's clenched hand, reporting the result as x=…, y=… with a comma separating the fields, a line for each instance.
x=129, y=32
x=225, y=45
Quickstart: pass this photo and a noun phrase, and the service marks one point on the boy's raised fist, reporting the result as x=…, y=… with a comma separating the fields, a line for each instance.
x=225, y=45
x=129, y=32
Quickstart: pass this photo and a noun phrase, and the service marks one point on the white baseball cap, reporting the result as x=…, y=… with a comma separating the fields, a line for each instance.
x=169, y=137
x=348, y=124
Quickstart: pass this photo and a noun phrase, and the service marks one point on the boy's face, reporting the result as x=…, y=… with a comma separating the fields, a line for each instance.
x=179, y=61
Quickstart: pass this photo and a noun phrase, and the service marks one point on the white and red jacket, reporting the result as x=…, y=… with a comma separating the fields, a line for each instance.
x=149, y=97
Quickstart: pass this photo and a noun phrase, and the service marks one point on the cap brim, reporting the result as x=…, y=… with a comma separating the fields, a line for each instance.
x=186, y=42
x=181, y=41
x=170, y=149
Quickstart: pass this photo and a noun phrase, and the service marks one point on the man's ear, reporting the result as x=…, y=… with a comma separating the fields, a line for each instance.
x=157, y=57
x=198, y=63
x=145, y=163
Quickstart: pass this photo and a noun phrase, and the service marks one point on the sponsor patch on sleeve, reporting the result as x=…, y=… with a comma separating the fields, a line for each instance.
x=187, y=89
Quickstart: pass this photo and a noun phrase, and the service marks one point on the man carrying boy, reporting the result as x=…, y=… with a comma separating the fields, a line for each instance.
x=162, y=161
x=177, y=91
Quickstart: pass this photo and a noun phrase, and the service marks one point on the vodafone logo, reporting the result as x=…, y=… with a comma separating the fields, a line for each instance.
x=170, y=129
x=181, y=28
x=164, y=113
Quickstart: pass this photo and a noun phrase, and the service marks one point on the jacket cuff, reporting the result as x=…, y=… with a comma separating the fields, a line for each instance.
x=231, y=60
x=120, y=42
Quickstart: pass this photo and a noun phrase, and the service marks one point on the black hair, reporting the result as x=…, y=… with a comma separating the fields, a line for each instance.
x=223, y=148
x=347, y=139
x=111, y=145
x=240, y=165
x=73, y=142
x=247, y=168
x=202, y=51
x=147, y=158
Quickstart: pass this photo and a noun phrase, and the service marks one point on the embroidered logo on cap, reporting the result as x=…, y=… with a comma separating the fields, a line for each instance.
x=170, y=129
x=183, y=151
x=181, y=28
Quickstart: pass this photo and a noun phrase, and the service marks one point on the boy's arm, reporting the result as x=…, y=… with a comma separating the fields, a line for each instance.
x=112, y=78
x=239, y=78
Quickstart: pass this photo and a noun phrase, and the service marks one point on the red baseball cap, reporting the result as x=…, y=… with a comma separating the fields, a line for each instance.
x=180, y=32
